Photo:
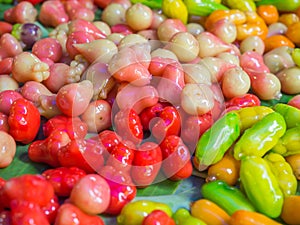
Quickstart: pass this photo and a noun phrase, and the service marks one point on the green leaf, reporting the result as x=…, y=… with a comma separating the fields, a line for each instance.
x=284, y=99
x=3, y=7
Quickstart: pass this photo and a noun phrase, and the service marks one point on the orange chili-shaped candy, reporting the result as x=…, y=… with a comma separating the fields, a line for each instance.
x=227, y=169
x=268, y=13
x=288, y=18
x=245, y=217
x=254, y=26
x=233, y=15
x=209, y=212
x=276, y=41
x=290, y=210
x=293, y=33
x=294, y=161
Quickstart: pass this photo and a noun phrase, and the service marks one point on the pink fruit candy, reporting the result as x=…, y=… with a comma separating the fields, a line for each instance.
x=52, y=13
x=23, y=12
x=137, y=98
x=47, y=48
x=253, y=64
x=76, y=10
x=68, y=213
x=86, y=27
x=73, y=99
x=7, y=98
x=6, y=65
x=129, y=65
x=9, y=46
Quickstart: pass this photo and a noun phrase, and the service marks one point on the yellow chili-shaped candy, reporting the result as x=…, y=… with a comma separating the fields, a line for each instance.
x=250, y=115
x=283, y=173
x=175, y=9
x=289, y=143
x=134, y=212
x=261, y=137
x=261, y=186
x=245, y=5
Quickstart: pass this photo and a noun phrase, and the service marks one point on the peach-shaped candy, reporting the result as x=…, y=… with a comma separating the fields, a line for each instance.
x=7, y=149
x=7, y=97
x=97, y=116
x=216, y=67
x=197, y=99
x=185, y=46
x=9, y=46
x=73, y=99
x=101, y=50
x=267, y=86
x=8, y=83
x=23, y=12
x=196, y=73
x=26, y=66
x=149, y=34
x=48, y=48
x=137, y=98
x=169, y=27
x=211, y=45
x=52, y=13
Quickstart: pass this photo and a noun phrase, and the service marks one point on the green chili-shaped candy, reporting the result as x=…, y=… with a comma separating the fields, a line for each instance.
x=283, y=173
x=203, y=7
x=261, y=137
x=182, y=216
x=228, y=197
x=289, y=143
x=133, y=213
x=261, y=186
x=153, y=4
x=213, y=144
x=290, y=113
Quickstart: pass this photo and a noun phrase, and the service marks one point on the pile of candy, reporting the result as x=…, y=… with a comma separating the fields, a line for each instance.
x=115, y=96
